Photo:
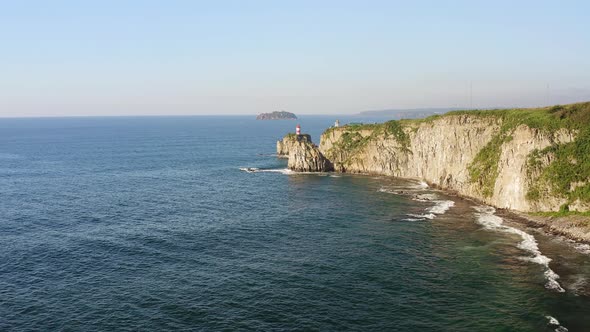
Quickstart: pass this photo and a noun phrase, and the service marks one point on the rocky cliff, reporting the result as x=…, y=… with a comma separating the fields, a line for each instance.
x=304, y=156
x=527, y=160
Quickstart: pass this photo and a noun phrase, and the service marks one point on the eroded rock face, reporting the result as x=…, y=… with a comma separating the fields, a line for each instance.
x=288, y=143
x=500, y=164
x=303, y=155
x=441, y=151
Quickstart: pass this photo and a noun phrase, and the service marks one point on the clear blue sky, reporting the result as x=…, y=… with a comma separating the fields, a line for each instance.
x=129, y=57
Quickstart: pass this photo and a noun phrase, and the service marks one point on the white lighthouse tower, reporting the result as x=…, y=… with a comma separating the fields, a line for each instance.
x=298, y=130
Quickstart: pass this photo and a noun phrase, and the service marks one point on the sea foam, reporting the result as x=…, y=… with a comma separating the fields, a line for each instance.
x=440, y=207
x=416, y=191
x=273, y=170
x=487, y=218
x=553, y=322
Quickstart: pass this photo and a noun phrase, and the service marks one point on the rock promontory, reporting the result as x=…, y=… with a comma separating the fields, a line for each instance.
x=282, y=115
x=303, y=155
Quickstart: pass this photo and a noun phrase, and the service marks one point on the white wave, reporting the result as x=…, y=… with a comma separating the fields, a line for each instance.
x=552, y=320
x=414, y=219
x=422, y=216
x=583, y=248
x=249, y=169
x=258, y=170
x=425, y=197
x=555, y=323
x=441, y=207
x=418, y=184
x=405, y=188
x=489, y=220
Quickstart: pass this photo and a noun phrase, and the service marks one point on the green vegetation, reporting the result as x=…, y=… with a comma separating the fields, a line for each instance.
x=484, y=168
x=562, y=214
x=352, y=140
x=395, y=129
x=568, y=175
x=562, y=172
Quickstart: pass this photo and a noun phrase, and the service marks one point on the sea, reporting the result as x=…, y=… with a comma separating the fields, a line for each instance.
x=191, y=223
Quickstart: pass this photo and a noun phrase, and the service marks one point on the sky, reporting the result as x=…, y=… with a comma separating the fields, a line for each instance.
x=144, y=57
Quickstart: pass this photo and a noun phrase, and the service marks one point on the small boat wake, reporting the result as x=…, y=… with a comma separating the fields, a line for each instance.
x=487, y=218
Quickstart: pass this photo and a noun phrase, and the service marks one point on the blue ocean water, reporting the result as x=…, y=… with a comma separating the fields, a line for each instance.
x=148, y=224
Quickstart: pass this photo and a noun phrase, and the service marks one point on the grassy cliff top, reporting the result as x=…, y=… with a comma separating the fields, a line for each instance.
x=571, y=116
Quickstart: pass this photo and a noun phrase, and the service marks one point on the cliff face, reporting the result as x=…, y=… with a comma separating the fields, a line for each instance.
x=442, y=151
x=303, y=155
x=530, y=160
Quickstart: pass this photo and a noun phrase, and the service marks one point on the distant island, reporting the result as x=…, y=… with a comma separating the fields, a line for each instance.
x=282, y=115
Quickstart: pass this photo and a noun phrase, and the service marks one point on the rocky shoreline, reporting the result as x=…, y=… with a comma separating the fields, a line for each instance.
x=574, y=227
x=531, y=162
x=305, y=156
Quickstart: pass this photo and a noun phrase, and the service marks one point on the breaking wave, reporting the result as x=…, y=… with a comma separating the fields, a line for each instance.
x=583, y=248
x=440, y=207
x=273, y=170
x=415, y=190
x=487, y=218
x=405, y=189
x=553, y=322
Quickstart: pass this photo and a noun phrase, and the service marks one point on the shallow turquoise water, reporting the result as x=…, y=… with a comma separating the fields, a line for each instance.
x=149, y=224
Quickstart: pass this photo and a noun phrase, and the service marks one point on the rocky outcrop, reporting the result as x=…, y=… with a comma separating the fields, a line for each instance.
x=289, y=142
x=304, y=156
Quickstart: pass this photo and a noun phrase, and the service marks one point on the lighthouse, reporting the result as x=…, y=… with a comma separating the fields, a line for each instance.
x=298, y=130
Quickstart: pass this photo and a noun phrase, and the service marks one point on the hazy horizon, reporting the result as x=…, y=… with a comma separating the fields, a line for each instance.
x=109, y=58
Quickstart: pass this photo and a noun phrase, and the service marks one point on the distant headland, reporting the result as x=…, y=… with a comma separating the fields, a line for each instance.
x=282, y=115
